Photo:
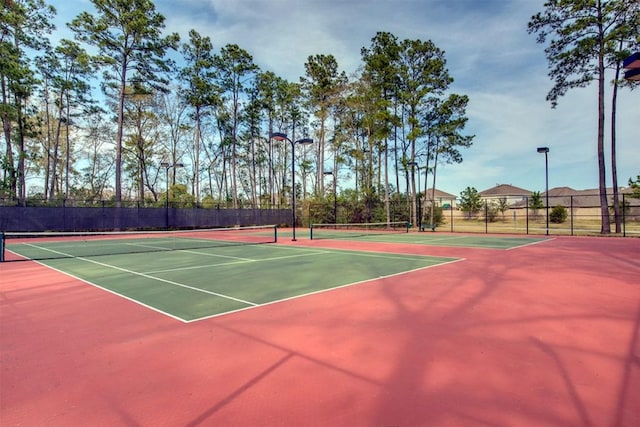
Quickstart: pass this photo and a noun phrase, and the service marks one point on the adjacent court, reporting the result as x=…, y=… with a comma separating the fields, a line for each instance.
x=399, y=233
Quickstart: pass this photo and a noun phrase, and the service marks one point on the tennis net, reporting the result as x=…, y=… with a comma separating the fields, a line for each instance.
x=51, y=245
x=355, y=230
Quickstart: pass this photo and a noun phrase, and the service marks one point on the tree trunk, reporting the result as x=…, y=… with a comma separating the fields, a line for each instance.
x=196, y=156
x=432, y=220
x=387, y=203
x=614, y=168
x=67, y=165
x=604, y=208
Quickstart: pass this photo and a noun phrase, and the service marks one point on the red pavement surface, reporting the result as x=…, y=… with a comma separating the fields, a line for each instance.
x=545, y=335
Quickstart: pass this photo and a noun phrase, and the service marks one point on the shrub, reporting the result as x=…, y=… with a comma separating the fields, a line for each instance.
x=438, y=217
x=558, y=214
x=492, y=210
x=470, y=202
x=535, y=203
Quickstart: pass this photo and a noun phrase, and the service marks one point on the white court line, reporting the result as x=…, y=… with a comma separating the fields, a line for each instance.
x=140, y=245
x=241, y=261
x=443, y=238
x=149, y=277
x=360, y=252
x=532, y=243
x=319, y=291
x=250, y=305
x=164, y=249
x=158, y=248
x=112, y=292
x=315, y=252
x=398, y=256
x=190, y=251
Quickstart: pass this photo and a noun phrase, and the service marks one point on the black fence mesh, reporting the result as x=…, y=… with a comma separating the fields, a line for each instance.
x=31, y=218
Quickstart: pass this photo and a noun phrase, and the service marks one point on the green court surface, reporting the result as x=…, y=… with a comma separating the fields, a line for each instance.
x=192, y=284
x=429, y=238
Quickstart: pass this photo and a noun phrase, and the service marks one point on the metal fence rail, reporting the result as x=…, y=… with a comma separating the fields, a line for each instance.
x=583, y=215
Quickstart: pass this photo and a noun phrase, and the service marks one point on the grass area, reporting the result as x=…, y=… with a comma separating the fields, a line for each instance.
x=580, y=226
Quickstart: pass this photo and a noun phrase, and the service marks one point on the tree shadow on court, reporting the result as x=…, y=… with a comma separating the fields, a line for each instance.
x=492, y=402
x=468, y=343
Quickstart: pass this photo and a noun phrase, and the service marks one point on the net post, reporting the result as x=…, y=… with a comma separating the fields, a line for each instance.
x=310, y=231
x=275, y=233
x=1, y=246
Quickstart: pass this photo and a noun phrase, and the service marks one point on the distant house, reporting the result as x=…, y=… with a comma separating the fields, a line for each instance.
x=568, y=197
x=513, y=195
x=442, y=199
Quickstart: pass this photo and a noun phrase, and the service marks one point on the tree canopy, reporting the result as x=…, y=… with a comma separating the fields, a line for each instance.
x=204, y=120
x=582, y=39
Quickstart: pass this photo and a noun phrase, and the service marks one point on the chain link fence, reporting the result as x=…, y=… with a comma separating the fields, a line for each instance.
x=106, y=218
x=567, y=215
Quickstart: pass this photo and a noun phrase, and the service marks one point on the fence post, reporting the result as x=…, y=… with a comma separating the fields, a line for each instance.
x=571, y=202
x=526, y=210
x=486, y=219
x=624, y=217
x=451, y=209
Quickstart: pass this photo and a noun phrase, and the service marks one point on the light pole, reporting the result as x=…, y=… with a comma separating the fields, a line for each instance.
x=166, y=167
x=279, y=136
x=545, y=150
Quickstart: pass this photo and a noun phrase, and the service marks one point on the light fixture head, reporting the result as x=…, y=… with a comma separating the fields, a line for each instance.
x=543, y=149
x=632, y=74
x=632, y=62
x=279, y=136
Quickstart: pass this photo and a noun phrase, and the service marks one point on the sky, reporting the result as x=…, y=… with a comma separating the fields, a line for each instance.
x=490, y=55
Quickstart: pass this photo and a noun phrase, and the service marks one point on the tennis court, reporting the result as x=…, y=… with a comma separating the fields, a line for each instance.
x=399, y=233
x=191, y=275
x=344, y=331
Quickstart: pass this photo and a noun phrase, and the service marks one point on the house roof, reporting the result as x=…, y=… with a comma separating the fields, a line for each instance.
x=505, y=190
x=440, y=195
x=567, y=191
x=566, y=196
